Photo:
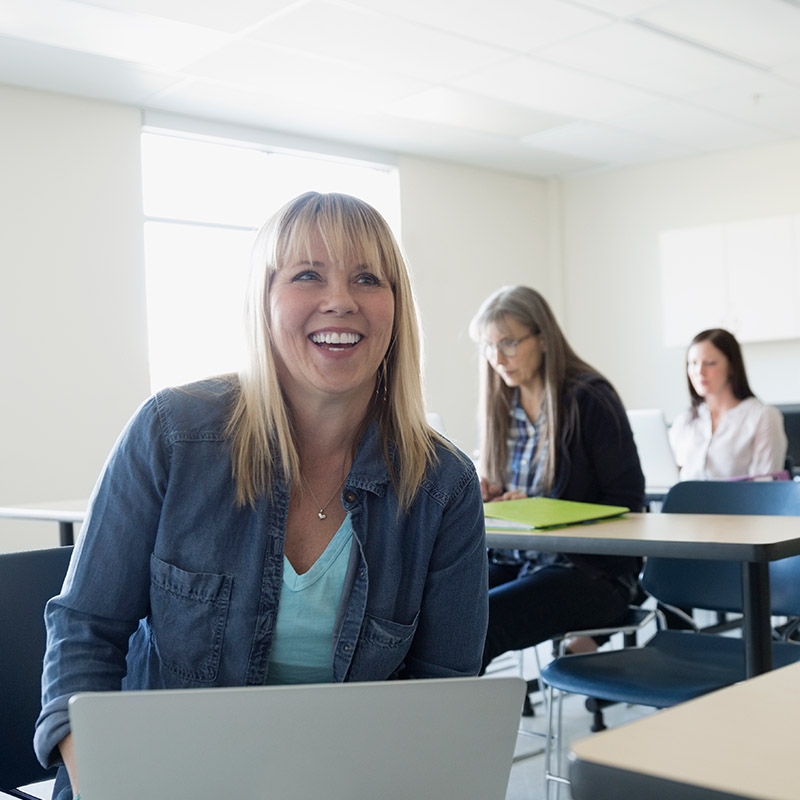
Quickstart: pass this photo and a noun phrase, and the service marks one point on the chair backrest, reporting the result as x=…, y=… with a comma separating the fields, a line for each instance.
x=716, y=585
x=27, y=581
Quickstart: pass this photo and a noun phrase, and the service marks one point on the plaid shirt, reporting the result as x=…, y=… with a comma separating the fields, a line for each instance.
x=525, y=457
x=523, y=473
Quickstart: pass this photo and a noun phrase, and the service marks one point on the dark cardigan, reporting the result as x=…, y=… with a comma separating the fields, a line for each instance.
x=598, y=463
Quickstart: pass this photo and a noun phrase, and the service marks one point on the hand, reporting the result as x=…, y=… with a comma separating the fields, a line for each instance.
x=493, y=491
x=514, y=494
x=490, y=491
x=67, y=751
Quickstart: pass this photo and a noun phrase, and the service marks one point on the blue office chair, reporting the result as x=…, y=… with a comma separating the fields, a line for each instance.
x=678, y=665
x=27, y=581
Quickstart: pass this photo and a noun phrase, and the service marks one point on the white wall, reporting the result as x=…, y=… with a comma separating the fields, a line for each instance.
x=72, y=313
x=466, y=232
x=611, y=271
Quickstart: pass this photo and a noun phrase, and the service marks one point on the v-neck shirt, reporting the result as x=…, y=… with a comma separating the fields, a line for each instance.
x=302, y=647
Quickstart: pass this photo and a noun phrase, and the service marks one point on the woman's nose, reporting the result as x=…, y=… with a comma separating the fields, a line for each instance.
x=339, y=296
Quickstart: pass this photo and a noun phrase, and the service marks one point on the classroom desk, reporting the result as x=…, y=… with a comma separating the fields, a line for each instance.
x=739, y=742
x=754, y=541
x=66, y=513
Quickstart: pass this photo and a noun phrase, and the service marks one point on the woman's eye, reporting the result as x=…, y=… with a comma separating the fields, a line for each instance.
x=369, y=279
x=306, y=275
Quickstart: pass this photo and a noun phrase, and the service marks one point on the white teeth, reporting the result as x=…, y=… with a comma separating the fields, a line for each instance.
x=335, y=338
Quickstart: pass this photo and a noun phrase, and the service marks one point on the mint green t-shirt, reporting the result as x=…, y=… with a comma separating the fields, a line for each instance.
x=302, y=647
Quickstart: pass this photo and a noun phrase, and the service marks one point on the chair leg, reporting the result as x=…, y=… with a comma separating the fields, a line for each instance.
x=595, y=707
x=553, y=780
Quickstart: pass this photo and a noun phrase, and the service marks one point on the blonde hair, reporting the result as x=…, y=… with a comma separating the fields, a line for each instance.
x=263, y=444
x=560, y=364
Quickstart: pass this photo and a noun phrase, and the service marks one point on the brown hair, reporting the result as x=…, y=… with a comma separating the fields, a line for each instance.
x=726, y=343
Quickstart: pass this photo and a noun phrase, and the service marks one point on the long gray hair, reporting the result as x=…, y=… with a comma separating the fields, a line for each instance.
x=560, y=364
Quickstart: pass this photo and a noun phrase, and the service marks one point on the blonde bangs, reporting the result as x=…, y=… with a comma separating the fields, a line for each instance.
x=351, y=231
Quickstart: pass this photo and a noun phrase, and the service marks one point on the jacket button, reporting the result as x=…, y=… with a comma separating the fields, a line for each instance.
x=350, y=497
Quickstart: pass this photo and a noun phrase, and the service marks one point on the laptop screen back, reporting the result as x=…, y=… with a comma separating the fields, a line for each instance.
x=655, y=453
x=446, y=739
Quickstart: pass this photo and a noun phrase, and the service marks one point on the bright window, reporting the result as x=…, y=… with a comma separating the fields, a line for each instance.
x=203, y=202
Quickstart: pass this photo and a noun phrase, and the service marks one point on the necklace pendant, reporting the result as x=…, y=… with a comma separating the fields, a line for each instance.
x=321, y=514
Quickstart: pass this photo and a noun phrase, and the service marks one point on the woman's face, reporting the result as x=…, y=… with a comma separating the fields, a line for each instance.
x=331, y=325
x=524, y=368
x=708, y=369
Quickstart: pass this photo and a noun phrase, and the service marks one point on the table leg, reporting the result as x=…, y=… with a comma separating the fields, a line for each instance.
x=66, y=533
x=757, y=618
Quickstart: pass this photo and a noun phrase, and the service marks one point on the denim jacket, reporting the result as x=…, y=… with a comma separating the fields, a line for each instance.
x=173, y=585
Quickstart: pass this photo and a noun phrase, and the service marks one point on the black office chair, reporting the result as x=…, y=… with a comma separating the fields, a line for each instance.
x=679, y=665
x=27, y=581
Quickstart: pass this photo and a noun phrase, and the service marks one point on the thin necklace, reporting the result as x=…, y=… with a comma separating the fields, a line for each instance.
x=321, y=513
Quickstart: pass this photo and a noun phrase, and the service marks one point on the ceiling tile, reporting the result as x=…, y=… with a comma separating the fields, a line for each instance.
x=375, y=40
x=473, y=112
x=506, y=23
x=230, y=16
x=556, y=89
x=789, y=71
x=158, y=43
x=622, y=8
x=289, y=74
x=692, y=127
x=639, y=57
x=765, y=32
x=766, y=102
x=54, y=69
x=604, y=144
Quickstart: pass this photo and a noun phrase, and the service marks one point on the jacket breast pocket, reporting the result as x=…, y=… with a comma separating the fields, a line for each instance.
x=189, y=611
x=381, y=649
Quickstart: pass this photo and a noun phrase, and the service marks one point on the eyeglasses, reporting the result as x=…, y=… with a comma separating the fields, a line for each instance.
x=506, y=347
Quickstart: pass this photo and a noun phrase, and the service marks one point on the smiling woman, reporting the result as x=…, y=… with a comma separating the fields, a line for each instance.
x=299, y=522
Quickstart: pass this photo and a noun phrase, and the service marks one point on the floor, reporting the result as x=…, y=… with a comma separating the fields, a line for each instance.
x=527, y=774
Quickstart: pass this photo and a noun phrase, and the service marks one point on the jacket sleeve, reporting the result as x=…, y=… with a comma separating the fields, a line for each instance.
x=105, y=592
x=454, y=615
x=604, y=464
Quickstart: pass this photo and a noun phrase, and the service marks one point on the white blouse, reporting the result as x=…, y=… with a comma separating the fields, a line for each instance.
x=749, y=441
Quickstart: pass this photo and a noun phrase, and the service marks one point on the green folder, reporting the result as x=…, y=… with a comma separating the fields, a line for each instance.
x=532, y=513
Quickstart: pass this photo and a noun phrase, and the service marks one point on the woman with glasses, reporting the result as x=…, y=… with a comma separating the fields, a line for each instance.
x=551, y=426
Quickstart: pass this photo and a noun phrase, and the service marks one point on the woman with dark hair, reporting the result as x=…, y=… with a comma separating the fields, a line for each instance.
x=727, y=432
x=551, y=426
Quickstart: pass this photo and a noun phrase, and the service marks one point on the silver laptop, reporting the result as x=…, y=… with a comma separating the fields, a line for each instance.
x=445, y=739
x=655, y=453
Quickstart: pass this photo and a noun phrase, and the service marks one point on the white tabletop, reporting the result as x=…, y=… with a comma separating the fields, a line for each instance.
x=740, y=741
x=57, y=511
x=728, y=537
